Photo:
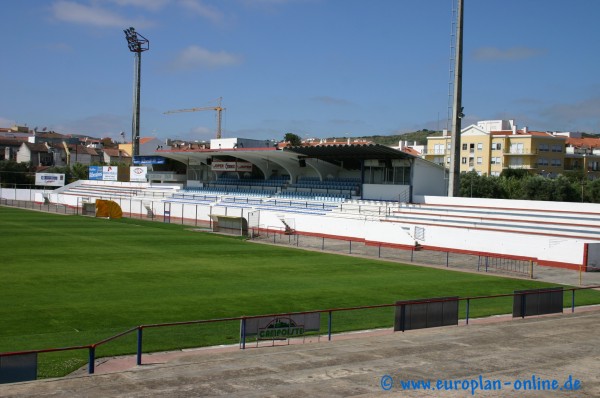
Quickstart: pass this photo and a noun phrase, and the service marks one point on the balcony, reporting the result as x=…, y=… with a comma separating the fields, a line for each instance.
x=520, y=152
x=520, y=166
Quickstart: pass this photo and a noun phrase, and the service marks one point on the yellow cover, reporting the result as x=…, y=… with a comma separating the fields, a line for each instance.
x=108, y=208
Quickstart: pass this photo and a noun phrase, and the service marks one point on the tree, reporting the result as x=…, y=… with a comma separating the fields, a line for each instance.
x=80, y=171
x=12, y=172
x=293, y=139
x=516, y=173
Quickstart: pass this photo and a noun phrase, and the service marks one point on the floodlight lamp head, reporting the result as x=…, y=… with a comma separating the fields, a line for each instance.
x=135, y=41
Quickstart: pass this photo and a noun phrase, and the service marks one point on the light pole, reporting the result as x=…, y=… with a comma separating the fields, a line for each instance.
x=457, y=108
x=137, y=44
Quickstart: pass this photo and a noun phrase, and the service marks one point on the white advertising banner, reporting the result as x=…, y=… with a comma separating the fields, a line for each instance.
x=50, y=179
x=109, y=173
x=138, y=173
x=231, y=166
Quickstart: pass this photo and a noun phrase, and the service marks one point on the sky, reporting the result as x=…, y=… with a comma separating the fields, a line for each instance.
x=316, y=68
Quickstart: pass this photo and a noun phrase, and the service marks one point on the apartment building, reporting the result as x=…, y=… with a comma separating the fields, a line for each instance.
x=491, y=146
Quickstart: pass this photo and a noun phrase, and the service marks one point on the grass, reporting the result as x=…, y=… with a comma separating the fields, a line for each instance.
x=70, y=280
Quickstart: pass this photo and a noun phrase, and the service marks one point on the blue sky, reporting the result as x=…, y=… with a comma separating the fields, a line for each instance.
x=317, y=68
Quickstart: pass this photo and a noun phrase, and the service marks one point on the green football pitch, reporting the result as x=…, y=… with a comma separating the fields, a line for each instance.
x=74, y=280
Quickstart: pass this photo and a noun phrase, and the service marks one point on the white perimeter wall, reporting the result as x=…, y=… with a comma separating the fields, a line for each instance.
x=385, y=192
x=428, y=179
x=370, y=228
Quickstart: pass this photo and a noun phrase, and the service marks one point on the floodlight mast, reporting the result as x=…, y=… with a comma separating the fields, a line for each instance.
x=137, y=44
x=457, y=109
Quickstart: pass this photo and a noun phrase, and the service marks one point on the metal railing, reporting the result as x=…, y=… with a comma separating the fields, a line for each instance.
x=139, y=330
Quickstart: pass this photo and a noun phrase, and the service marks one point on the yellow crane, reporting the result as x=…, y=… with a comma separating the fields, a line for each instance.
x=217, y=108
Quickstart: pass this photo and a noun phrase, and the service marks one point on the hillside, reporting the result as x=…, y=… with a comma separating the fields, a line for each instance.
x=392, y=140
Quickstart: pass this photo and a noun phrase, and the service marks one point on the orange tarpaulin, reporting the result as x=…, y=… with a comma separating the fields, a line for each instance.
x=108, y=208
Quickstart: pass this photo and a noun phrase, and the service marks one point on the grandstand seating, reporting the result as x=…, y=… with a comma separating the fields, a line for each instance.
x=336, y=189
x=583, y=225
x=228, y=190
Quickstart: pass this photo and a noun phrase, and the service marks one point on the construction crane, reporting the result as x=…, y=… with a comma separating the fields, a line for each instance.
x=217, y=108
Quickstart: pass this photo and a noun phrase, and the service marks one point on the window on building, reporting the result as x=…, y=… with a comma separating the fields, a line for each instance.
x=555, y=162
x=542, y=162
x=471, y=148
x=517, y=148
x=557, y=148
x=479, y=146
x=495, y=160
x=496, y=146
x=479, y=160
x=449, y=146
x=448, y=160
x=463, y=160
x=495, y=173
x=464, y=147
x=543, y=148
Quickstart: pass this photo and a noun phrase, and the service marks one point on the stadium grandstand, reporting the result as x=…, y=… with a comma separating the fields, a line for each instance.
x=369, y=194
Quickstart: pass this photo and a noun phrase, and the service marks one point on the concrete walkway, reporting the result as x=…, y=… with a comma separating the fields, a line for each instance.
x=506, y=356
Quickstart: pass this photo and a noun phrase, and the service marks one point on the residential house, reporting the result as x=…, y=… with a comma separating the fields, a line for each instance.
x=9, y=148
x=583, y=154
x=492, y=146
x=148, y=146
x=112, y=156
x=37, y=154
x=83, y=155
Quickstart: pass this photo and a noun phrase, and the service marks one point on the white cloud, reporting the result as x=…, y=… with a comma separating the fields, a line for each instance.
x=4, y=122
x=325, y=99
x=68, y=11
x=194, y=57
x=100, y=125
x=59, y=47
x=201, y=133
x=199, y=8
x=581, y=115
x=509, y=54
x=152, y=5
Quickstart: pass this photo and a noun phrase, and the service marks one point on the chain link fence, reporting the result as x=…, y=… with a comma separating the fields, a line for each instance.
x=417, y=255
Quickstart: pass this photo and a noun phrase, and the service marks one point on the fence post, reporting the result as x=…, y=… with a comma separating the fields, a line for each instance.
x=412, y=252
x=350, y=247
x=447, y=259
x=523, y=306
x=573, y=300
x=139, y=345
x=92, y=359
x=402, y=317
x=243, y=333
x=468, y=301
x=323, y=243
x=531, y=269
x=329, y=326
x=486, y=264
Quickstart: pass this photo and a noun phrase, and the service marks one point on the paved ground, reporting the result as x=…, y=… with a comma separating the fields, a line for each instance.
x=504, y=354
